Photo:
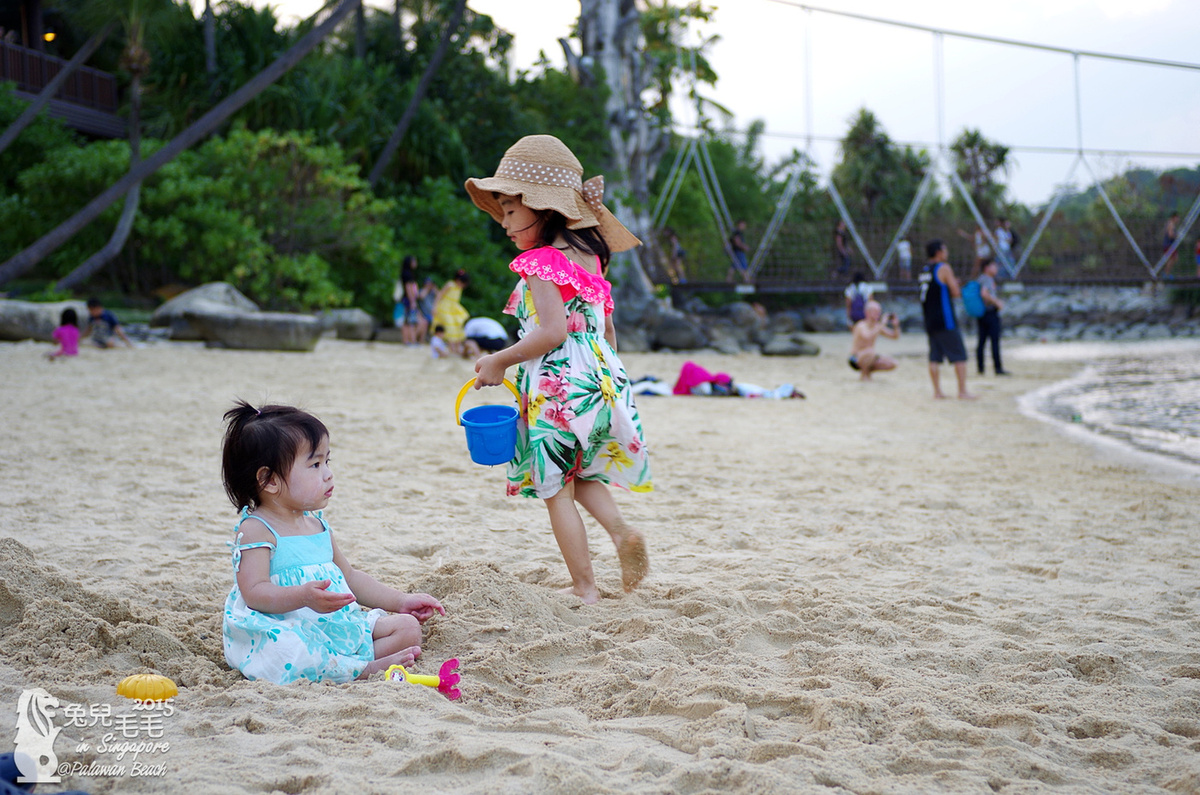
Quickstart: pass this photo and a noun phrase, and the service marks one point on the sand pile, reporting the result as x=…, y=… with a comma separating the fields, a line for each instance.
x=864, y=589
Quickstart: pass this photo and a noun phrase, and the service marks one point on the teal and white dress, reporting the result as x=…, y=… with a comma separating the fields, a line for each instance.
x=299, y=644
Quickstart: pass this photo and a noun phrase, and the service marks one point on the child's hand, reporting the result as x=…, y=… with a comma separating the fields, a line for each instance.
x=489, y=371
x=318, y=598
x=421, y=606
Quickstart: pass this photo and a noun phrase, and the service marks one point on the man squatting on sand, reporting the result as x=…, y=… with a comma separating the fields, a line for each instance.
x=862, y=346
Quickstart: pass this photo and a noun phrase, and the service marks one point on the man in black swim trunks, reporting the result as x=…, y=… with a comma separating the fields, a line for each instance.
x=939, y=288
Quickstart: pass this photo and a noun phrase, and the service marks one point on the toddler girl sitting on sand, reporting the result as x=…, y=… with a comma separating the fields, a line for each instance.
x=294, y=610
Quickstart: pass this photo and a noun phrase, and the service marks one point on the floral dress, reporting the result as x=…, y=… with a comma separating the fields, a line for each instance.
x=300, y=644
x=578, y=419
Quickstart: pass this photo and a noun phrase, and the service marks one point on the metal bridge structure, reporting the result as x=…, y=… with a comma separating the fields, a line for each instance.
x=887, y=238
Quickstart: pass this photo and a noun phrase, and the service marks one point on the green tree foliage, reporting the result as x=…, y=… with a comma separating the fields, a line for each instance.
x=663, y=27
x=288, y=222
x=978, y=162
x=751, y=189
x=876, y=177
x=436, y=222
x=37, y=142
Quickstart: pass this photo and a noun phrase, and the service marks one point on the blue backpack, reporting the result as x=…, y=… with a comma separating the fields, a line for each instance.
x=972, y=299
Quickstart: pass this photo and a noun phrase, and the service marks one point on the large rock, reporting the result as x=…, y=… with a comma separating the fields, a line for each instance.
x=632, y=339
x=790, y=345
x=25, y=320
x=259, y=331
x=675, y=331
x=729, y=338
x=745, y=316
x=214, y=298
x=350, y=324
x=389, y=334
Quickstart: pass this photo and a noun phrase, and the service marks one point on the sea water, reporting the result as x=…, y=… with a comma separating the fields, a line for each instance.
x=1144, y=397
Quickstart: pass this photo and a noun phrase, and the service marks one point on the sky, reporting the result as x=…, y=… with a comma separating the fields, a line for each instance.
x=1018, y=96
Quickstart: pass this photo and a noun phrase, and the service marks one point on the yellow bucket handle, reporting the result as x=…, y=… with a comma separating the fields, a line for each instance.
x=462, y=393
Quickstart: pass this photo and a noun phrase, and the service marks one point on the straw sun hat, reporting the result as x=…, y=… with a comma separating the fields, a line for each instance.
x=543, y=172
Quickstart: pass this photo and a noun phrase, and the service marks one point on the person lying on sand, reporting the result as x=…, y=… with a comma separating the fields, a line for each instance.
x=695, y=380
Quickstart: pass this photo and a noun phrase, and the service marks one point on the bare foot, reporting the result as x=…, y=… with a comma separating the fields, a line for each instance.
x=635, y=563
x=587, y=597
x=938, y=396
x=967, y=396
x=405, y=657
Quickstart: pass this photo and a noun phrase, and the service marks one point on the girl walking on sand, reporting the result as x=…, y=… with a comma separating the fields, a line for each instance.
x=579, y=431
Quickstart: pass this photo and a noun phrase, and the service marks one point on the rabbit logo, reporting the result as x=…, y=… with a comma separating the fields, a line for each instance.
x=36, y=733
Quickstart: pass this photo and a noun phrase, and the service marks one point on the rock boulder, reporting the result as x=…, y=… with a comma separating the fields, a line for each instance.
x=214, y=298
x=258, y=331
x=790, y=345
x=350, y=324
x=26, y=320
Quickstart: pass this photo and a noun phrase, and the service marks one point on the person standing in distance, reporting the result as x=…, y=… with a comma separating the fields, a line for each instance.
x=939, y=288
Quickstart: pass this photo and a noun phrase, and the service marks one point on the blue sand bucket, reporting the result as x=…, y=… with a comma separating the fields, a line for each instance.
x=491, y=430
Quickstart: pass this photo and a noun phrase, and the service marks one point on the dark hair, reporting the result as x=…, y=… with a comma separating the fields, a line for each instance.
x=68, y=318
x=409, y=261
x=858, y=278
x=933, y=247
x=986, y=261
x=92, y=303
x=439, y=329
x=270, y=438
x=589, y=239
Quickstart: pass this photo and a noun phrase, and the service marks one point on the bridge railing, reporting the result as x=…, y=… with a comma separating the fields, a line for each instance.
x=32, y=70
x=1089, y=250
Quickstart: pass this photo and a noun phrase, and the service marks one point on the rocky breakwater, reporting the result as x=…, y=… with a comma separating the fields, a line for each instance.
x=733, y=328
x=1098, y=313
x=1031, y=312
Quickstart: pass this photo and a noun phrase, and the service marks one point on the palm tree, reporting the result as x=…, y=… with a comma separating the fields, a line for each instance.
x=48, y=243
x=210, y=46
x=134, y=16
x=978, y=161
x=389, y=149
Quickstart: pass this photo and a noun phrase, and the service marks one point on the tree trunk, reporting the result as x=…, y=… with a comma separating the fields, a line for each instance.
x=360, y=32
x=47, y=93
x=49, y=242
x=611, y=37
x=389, y=149
x=210, y=47
x=112, y=248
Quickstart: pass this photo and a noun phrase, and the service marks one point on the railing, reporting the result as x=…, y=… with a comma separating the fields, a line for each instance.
x=1071, y=251
x=32, y=70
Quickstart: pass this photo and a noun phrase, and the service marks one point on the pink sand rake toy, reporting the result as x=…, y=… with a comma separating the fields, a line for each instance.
x=445, y=680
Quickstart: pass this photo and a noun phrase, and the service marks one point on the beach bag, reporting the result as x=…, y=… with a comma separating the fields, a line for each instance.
x=858, y=306
x=972, y=299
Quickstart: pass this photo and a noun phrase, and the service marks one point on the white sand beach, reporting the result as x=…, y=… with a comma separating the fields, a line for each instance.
x=863, y=591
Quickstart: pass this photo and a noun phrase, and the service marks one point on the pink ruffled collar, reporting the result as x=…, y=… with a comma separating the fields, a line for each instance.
x=552, y=265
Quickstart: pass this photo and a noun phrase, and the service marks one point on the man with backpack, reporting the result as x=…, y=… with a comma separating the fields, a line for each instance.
x=857, y=294
x=989, y=322
x=939, y=287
